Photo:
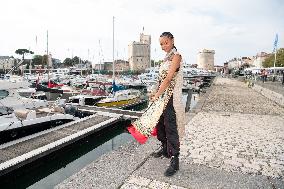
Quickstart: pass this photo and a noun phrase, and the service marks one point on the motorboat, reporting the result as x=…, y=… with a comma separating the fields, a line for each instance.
x=19, y=114
x=26, y=92
x=105, y=86
x=121, y=98
x=15, y=123
x=10, y=97
x=94, y=91
x=83, y=100
x=39, y=95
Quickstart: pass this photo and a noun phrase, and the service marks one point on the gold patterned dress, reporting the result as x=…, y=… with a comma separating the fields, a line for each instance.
x=145, y=126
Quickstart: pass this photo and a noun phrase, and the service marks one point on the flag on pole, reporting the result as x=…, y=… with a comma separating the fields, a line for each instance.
x=275, y=43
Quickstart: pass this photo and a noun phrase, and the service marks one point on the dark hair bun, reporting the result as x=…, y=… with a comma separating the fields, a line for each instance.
x=167, y=34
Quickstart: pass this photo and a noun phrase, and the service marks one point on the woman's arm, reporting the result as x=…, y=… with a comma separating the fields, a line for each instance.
x=166, y=82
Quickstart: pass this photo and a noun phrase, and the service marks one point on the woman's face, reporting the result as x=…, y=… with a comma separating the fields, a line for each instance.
x=166, y=43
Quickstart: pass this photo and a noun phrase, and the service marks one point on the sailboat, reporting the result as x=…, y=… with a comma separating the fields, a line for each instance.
x=120, y=98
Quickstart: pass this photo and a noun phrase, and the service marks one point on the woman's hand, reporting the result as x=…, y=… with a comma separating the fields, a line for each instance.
x=175, y=64
x=153, y=98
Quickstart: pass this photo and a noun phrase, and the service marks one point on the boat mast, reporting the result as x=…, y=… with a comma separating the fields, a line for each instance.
x=113, y=48
x=47, y=42
x=112, y=142
x=47, y=55
x=100, y=57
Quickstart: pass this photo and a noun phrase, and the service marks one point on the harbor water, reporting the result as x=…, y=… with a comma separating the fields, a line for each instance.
x=56, y=167
x=51, y=170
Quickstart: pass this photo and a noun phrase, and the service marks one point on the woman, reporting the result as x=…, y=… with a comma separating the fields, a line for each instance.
x=160, y=118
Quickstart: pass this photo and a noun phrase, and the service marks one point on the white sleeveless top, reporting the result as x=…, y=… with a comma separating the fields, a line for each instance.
x=177, y=94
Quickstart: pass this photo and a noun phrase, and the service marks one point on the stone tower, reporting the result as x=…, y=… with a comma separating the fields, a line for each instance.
x=205, y=59
x=139, y=53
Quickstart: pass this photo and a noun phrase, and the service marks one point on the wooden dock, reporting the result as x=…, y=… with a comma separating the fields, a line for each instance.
x=22, y=151
x=126, y=114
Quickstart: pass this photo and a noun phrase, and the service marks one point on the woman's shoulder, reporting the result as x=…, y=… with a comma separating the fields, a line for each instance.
x=177, y=56
x=177, y=53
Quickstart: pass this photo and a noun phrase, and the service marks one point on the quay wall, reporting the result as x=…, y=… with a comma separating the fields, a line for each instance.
x=276, y=97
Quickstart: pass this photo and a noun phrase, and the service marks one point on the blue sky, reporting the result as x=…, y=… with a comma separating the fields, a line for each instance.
x=231, y=28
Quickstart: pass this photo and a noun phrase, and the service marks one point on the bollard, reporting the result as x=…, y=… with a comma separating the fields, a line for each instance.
x=188, y=100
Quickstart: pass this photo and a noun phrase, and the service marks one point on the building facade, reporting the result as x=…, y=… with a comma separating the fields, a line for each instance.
x=119, y=66
x=139, y=53
x=259, y=59
x=99, y=66
x=6, y=63
x=205, y=59
x=234, y=63
x=226, y=68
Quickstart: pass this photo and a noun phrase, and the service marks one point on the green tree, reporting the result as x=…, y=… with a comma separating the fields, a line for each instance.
x=40, y=60
x=23, y=52
x=37, y=59
x=45, y=60
x=269, y=61
x=76, y=60
x=68, y=62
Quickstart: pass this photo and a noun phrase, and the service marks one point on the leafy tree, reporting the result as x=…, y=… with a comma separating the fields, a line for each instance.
x=68, y=62
x=23, y=52
x=37, y=60
x=45, y=60
x=269, y=61
x=40, y=60
x=76, y=60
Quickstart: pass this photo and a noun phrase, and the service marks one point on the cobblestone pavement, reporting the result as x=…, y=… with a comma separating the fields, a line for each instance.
x=236, y=130
x=234, y=96
x=138, y=182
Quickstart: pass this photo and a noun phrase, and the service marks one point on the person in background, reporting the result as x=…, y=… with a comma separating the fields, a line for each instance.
x=262, y=75
x=282, y=77
x=265, y=75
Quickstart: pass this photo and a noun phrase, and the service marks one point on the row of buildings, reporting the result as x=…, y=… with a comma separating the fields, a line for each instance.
x=205, y=60
x=139, y=59
x=244, y=62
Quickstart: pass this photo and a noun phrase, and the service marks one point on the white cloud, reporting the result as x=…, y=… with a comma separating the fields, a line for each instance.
x=232, y=28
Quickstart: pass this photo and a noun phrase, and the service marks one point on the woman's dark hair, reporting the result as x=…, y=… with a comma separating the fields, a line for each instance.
x=169, y=35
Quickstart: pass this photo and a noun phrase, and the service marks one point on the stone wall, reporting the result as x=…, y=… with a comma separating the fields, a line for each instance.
x=276, y=97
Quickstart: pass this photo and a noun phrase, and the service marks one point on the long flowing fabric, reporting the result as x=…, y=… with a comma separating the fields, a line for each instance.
x=145, y=126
